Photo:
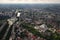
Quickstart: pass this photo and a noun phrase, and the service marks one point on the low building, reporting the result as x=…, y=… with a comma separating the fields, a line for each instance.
x=52, y=29
x=12, y=20
x=41, y=28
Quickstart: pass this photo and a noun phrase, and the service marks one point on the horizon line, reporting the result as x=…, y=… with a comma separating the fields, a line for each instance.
x=29, y=3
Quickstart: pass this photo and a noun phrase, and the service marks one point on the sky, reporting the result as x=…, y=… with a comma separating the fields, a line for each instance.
x=29, y=1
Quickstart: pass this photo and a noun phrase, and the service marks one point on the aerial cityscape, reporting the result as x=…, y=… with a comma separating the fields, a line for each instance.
x=29, y=21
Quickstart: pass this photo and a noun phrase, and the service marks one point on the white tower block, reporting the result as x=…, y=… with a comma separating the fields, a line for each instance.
x=18, y=14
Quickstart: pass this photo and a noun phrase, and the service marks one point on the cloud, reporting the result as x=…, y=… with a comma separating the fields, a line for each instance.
x=29, y=1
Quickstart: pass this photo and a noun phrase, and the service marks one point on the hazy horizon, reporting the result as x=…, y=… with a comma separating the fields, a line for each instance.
x=29, y=1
